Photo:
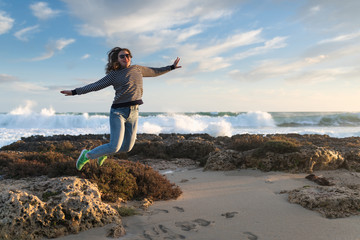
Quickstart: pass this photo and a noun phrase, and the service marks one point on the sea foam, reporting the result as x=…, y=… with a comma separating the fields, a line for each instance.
x=24, y=122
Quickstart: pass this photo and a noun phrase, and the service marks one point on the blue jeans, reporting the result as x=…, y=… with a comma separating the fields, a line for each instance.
x=123, y=127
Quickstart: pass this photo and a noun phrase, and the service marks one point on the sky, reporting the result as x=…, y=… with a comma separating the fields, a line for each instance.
x=236, y=55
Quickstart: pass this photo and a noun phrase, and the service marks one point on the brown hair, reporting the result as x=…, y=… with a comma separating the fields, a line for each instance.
x=113, y=63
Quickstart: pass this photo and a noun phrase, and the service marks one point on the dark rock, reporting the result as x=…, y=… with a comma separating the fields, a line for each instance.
x=319, y=180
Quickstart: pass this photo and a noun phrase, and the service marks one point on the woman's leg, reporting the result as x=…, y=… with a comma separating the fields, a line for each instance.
x=117, y=130
x=130, y=129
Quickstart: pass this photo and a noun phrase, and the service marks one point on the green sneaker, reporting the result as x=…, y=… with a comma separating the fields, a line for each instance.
x=101, y=160
x=82, y=160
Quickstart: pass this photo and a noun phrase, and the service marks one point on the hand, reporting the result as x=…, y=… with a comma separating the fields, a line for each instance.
x=176, y=62
x=66, y=92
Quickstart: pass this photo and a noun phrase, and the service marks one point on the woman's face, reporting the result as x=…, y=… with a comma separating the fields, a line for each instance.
x=124, y=58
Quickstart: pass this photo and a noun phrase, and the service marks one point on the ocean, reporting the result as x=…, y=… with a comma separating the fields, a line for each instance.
x=17, y=124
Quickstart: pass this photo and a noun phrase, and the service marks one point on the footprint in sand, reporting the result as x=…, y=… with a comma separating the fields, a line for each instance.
x=161, y=232
x=193, y=225
x=251, y=236
x=179, y=209
x=202, y=222
x=186, y=226
x=229, y=214
x=157, y=211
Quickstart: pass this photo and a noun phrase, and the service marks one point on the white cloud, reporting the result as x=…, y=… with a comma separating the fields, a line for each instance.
x=5, y=78
x=42, y=11
x=237, y=40
x=189, y=32
x=62, y=43
x=23, y=34
x=323, y=75
x=214, y=57
x=148, y=25
x=18, y=85
x=315, y=59
x=342, y=38
x=215, y=14
x=45, y=56
x=28, y=87
x=266, y=70
x=54, y=47
x=339, y=64
x=143, y=16
x=315, y=9
x=277, y=42
x=86, y=56
x=6, y=22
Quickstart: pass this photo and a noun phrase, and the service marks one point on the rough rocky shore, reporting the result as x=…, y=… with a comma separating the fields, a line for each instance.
x=51, y=207
x=36, y=202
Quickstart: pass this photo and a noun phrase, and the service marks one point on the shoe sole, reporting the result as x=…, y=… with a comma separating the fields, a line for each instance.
x=79, y=158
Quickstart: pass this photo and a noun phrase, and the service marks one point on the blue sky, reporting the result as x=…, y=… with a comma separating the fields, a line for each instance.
x=270, y=55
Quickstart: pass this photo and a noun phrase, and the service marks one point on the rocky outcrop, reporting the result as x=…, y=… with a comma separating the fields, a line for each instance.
x=322, y=158
x=340, y=199
x=308, y=159
x=289, y=152
x=224, y=160
x=292, y=162
x=331, y=202
x=170, y=146
x=279, y=152
x=40, y=207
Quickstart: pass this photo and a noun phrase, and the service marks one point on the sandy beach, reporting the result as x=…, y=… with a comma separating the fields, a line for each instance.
x=239, y=204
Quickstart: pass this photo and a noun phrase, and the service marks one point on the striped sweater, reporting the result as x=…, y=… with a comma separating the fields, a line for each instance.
x=127, y=83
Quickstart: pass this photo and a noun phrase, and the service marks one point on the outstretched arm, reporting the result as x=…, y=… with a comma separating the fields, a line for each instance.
x=67, y=92
x=96, y=86
x=153, y=72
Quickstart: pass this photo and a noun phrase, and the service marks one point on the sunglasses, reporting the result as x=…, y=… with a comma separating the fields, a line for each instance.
x=122, y=56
